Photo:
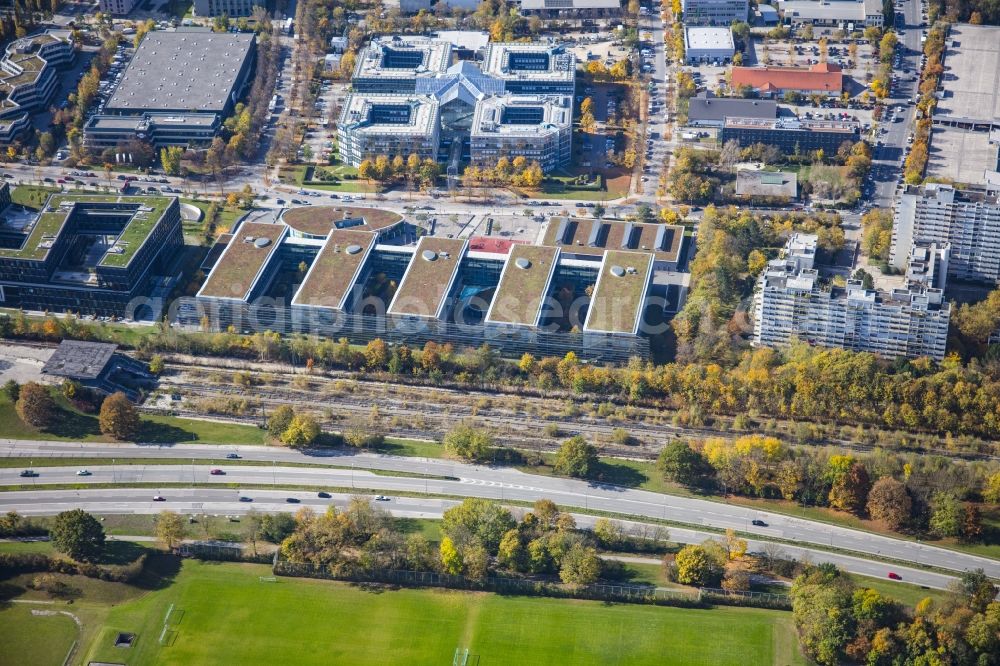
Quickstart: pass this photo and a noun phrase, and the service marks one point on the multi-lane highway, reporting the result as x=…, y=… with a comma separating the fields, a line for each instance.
x=453, y=479
x=226, y=502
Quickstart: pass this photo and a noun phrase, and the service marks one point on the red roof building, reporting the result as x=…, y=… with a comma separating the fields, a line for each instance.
x=820, y=79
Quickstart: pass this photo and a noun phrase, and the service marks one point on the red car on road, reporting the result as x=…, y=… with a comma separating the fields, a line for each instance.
x=895, y=576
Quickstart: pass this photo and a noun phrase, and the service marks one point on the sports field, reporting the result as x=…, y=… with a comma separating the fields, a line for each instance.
x=225, y=614
x=29, y=639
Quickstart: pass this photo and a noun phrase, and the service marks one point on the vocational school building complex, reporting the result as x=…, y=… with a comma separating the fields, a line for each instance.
x=587, y=287
x=413, y=95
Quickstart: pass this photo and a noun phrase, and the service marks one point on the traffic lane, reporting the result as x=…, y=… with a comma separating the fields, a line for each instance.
x=226, y=503
x=506, y=484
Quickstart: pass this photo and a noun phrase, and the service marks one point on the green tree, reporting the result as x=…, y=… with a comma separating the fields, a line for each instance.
x=35, y=405
x=13, y=391
x=169, y=529
x=481, y=519
x=468, y=442
x=695, y=566
x=302, y=431
x=576, y=458
x=822, y=604
x=977, y=588
x=511, y=553
x=156, y=365
x=475, y=561
x=679, y=463
x=580, y=566
x=119, y=417
x=279, y=420
x=946, y=514
x=77, y=534
x=276, y=527
x=170, y=158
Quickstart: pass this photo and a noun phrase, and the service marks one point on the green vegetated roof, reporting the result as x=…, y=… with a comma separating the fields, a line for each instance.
x=335, y=268
x=235, y=272
x=148, y=211
x=616, y=306
x=428, y=277
x=523, y=285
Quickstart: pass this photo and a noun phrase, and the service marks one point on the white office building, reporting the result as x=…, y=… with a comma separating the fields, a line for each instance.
x=791, y=302
x=968, y=221
x=715, y=12
x=381, y=124
x=531, y=126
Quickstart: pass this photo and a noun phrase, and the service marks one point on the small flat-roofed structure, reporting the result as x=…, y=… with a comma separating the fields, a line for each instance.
x=319, y=221
x=335, y=270
x=429, y=278
x=620, y=295
x=590, y=238
x=758, y=183
x=244, y=261
x=524, y=284
x=708, y=44
x=74, y=359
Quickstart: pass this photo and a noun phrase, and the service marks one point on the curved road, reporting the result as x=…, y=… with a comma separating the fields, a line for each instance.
x=464, y=481
x=226, y=502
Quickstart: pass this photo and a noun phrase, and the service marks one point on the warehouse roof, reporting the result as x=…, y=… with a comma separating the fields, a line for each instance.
x=183, y=70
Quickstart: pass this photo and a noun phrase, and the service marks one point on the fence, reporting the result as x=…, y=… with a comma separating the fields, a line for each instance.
x=748, y=598
x=601, y=592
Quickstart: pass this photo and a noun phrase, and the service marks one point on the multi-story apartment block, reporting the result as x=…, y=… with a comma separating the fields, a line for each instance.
x=535, y=127
x=715, y=12
x=792, y=303
x=967, y=220
x=791, y=135
x=28, y=79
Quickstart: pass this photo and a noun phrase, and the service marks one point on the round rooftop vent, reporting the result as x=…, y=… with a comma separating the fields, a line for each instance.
x=617, y=271
x=353, y=249
x=429, y=255
x=523, y=263
x=263, y=241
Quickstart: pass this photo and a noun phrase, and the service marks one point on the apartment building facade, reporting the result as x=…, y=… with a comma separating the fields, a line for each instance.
x=715, y=12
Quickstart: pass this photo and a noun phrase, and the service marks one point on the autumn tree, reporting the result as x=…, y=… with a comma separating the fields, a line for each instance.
x=580, y=566
x=279, y=420
x=302, y=431
x=468, y=442
x=35, y=405
x=694, y=565
x=119, y=417
x=169, y=529
x=850, y=490
x=889, y=502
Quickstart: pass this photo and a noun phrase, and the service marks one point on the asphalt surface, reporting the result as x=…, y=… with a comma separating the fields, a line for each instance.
x=226, y=502
x=463, y=480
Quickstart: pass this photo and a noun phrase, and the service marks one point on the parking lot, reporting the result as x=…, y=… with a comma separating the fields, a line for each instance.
x=804, y=53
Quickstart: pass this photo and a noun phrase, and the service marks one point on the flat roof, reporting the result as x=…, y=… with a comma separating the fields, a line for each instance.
x=79, y=359
x=706, y=106
x=840, y=126
x=429, y=277
x=622, y=284
x=429, y=57
x=697, y=37
x=52, y=219
x=592, y=237
x=242, y=261
x=962, y=155
x=320, y=220
x=559, y=66
x=336, y=269
x=493, y=115
x=524, y=284
x=755, y=182
x=359, y=114
x=972, y=84
x=184, y=70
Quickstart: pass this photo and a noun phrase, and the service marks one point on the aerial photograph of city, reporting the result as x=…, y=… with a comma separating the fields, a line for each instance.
x=499, y=332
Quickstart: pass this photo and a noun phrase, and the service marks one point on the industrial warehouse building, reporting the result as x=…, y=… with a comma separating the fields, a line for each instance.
x=28, y=79
x=90, y=254
x=413, y=95
x=592, y=296
x=177, y=89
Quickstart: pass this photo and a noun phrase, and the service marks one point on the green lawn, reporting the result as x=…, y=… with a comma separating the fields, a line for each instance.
x=29, y=639
x=226, y=615
x=78, y=427
x=31, y=196
x=905, y=593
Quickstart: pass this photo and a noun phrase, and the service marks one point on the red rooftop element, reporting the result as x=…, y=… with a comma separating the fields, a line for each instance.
x=492, y=244
x=819, y=77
